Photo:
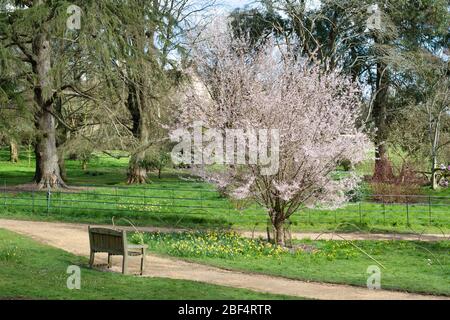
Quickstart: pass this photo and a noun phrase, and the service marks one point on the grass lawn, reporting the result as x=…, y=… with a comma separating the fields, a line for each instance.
x=409, y=266
x=34, y=271
x=175, y=201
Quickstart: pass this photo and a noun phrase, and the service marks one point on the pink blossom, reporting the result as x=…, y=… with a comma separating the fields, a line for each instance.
x=316, y=113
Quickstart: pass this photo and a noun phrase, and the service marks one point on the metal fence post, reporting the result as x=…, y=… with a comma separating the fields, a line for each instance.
x=32, y=201
x=384, y=212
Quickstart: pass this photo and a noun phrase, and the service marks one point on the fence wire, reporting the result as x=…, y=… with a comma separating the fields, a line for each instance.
x=170, y=205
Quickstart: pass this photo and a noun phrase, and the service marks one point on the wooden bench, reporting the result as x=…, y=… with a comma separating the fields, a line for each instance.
x=114, y=243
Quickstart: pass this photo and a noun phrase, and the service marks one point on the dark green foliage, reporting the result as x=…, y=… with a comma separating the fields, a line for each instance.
x=156, y=160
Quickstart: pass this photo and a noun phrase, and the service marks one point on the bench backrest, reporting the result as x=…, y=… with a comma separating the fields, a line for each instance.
x=107, y=240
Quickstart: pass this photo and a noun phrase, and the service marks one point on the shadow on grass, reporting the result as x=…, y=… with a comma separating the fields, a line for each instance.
x=10, y=178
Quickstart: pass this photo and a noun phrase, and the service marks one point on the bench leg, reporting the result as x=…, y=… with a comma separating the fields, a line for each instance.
x=125, y=263
x=91, y=259
x=109, y=260
x=142, y=261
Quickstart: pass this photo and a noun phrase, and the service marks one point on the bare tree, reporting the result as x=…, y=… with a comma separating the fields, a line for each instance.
x=437, y=111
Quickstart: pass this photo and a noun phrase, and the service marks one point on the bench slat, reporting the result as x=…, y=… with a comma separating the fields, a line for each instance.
x=114, y=242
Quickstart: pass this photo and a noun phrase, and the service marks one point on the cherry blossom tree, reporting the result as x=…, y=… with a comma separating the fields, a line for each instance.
x=315, y=114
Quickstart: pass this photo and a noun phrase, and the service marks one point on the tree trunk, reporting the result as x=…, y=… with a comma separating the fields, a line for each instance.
x=383, y=168
x=61, y=135
x=434, y=135
x=13, y=151
x=137, y=104
x=277, y=218
x=383, y=171
x=434, y=170
x=279, y=233
x=137, y=172
x=47, y=173
x=138, y=101
x=62, y=166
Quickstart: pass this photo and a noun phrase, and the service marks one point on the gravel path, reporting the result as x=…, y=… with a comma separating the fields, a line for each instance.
x=323, y=235
x=74, y=238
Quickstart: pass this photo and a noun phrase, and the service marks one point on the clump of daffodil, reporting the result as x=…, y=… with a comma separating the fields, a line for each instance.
x=231, y=245
x=214, y=244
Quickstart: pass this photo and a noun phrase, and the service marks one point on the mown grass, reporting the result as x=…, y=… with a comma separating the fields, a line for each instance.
x=34, y=271
x=408, y=266
x=177, y=200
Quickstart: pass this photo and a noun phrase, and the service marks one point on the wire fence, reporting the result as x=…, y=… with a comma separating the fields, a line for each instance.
x=171, y=205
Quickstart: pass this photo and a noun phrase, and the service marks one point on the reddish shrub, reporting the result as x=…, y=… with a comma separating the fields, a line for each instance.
x=384, y=171
x=408, y=175
x=396, y=193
